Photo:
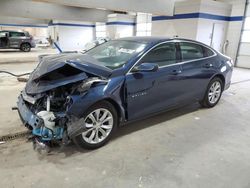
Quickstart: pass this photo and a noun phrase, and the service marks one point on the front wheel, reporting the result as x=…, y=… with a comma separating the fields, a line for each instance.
x=101, y=122
x=213, y=93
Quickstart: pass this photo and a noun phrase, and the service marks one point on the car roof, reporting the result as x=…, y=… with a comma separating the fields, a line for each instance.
x=146, y=39
x=156, y=39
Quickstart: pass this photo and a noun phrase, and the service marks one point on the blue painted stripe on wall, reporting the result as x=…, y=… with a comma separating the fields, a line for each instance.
x=73, y=25
x=69, y=24
x=120, y=23
x=236, y=18
x=198, y=15
x=23, y=25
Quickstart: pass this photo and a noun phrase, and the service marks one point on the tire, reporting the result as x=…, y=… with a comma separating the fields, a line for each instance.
x=214, y=91
x=25, y=47
x=88, y=139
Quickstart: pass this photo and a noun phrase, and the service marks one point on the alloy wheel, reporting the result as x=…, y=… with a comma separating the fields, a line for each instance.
x=25, y=47
x=99, y=124
x=214, y=92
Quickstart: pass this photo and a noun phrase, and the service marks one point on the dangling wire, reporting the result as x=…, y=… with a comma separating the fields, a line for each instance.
x=16, y=75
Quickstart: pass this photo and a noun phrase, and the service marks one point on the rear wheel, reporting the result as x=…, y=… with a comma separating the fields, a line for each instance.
x=25, y=47
x=213, y=93
x=101, y=122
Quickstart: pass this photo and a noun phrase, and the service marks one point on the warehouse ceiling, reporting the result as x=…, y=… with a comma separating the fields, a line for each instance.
x=47, y=11
x=158, y=7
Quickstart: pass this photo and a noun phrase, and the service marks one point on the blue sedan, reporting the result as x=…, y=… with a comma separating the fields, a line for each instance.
x=85, y=97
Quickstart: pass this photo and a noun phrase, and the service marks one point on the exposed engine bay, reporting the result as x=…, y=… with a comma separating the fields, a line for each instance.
x=44, y=104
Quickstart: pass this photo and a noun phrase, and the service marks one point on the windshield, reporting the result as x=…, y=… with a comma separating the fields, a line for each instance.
x=115, y=54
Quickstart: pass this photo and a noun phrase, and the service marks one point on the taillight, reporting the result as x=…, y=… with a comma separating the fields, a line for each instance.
x=230, y=62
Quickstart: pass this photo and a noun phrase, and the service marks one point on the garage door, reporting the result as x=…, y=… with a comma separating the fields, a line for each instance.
x=243, y=59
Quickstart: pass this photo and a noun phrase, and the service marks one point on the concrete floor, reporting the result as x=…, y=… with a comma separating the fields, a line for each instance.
x=189, y=147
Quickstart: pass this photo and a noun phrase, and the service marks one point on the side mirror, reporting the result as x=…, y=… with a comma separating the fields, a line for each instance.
x=146, y=67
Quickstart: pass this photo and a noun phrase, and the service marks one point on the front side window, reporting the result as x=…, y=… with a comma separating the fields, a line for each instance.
x=191, y=51
x=163, y=55
x=115, y=54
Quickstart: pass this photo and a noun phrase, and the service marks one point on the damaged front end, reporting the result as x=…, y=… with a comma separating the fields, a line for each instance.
x=44, y=103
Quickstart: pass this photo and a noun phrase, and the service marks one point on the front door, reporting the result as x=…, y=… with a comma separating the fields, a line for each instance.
x=150, y=92
x=3, y=39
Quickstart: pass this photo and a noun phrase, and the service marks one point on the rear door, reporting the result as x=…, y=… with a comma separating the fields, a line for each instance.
x=197, y=69
x=150, y=92
x=15, y=39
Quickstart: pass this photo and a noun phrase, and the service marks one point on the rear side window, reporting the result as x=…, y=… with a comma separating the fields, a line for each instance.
x=207, y=52
x=17, y=34
x=164, y=54
x=191, y=51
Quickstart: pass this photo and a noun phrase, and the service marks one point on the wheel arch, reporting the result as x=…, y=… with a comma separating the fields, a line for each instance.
x=24, y=42
x=119, y=108
x=221, y=76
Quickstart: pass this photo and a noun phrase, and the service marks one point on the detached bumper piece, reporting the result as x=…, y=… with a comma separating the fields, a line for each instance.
x=27, y=117
x=38, y=123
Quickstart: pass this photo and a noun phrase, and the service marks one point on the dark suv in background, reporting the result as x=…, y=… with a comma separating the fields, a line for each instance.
x=16, y=40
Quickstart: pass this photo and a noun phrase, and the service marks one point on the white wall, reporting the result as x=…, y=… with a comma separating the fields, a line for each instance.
x=143, y=24
x=185, y=28
x=119, y=31
x=120, y=25
x=74, y=38
x=192, y=27
x=234, y=27
x=243, y=56
x=70, y=37
x=205, y=26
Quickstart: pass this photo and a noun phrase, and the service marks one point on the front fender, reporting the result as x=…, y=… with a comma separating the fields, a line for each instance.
x=113, y=90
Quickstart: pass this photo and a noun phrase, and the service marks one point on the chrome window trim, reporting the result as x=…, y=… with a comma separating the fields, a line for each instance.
x=179, y=63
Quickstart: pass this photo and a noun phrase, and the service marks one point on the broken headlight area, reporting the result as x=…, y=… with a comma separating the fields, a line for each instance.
x=46, y=113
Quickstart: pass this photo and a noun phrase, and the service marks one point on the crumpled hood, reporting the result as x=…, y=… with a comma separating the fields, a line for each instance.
x=57, y=70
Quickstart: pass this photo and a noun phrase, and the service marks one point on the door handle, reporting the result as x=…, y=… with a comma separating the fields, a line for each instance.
x=176, y=72
x=208, y=65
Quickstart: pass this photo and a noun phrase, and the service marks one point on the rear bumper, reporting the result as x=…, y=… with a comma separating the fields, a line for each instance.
x=227, y=85
x=228, y=77
x=33, y=44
